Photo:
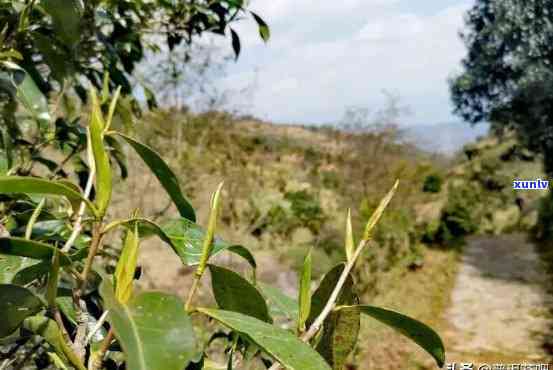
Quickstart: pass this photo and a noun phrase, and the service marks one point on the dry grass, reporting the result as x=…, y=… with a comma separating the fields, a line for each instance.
x=260, y=163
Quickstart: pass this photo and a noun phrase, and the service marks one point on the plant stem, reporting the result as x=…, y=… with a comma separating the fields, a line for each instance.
x=192, y=292
x=318, y=323
x=77, y=227
x=207, y=246
x=314, y=328
x=57, y=317
x=96, y=359
x=80, y=306
x=94, y=246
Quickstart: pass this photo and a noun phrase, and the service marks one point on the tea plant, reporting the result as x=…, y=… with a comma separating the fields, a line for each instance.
x=63, y=292
x=53, y=288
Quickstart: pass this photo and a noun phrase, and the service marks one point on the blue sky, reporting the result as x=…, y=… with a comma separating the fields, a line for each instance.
x=325, y=56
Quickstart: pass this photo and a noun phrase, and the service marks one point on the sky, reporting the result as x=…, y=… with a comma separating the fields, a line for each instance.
x=325, y=56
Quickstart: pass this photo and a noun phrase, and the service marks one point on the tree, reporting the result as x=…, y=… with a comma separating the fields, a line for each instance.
x=58, y=48
x=508, y=72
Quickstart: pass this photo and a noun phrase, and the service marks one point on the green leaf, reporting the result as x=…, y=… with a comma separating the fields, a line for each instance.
x=349, y=242
x=153, y=329
x=66, y=18
x=126, y=266
x=207, y=245
x=340, y=328
x=146, y=228
x=49, y=330
x=280, y=303
x=235, y=43
x=34, y=217
x=53, y=280
x=234, y=293
x=65, y=304
x=16, y=304
x=27, y=273
x=30, y=97
x=32, y=249
x=379, y=211
x=165, y=176
x=101, y=160
x=415, y=330
x=325, y=289
x=58, y=59
x=264, y=30
x=33, y=185
x=9, y=267
x=112, y=107
x=285, y=347
x=304, y=294
x=245, y=254
x=339, y=337
x=116, y=151
x=57, y=361
x=188, y=237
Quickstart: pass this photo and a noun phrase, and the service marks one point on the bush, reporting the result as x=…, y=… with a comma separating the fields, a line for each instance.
x=432, y=184
x=544, y=227
x=461, y=214
x=307, y=210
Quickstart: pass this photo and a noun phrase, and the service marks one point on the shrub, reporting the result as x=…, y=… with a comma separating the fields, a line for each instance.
x=330, y=179
x=307, y=210
x=461, y=214
x=544, y=226
x=432, y=184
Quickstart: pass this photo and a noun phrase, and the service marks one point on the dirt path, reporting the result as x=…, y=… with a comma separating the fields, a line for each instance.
x=498, y=311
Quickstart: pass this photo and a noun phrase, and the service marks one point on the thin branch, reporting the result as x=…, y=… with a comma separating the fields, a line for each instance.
x=316, y=326
x=77, y=227
x=97, y=327
x=192, y=292
x=80, y=306
x=318, y=323
x=96, y=360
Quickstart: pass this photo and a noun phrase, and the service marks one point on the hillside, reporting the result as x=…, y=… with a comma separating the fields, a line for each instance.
x=287, y=189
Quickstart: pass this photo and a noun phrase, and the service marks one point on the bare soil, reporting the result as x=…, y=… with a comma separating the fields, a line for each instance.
x=499, y=304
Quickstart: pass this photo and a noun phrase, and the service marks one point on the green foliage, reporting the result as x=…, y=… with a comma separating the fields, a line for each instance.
x=51, y=53
x=341, y=328
x=137, y=325
x=165, y=176
x=306, y=209
x=188, y=238
x=280, y=303
x=234, y=293
x=432, y=184
x=507, y=76
x=286, y=348
x=16, y=304
x=50, y=331
x=421, y=334
x=461, y=215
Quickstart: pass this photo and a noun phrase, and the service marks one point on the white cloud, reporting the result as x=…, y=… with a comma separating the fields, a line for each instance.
x=326, y=55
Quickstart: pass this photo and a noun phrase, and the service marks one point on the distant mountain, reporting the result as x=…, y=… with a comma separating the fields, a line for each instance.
x=445, y=138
